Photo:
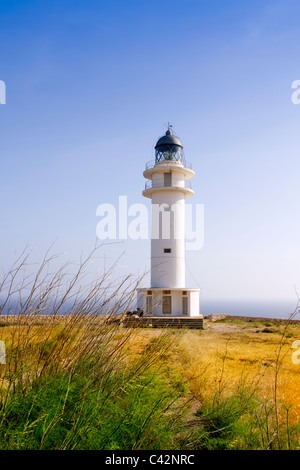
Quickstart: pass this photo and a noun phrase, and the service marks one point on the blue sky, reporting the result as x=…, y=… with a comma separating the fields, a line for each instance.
x=91, y=86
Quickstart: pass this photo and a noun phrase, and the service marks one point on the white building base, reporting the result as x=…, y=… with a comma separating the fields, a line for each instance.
x=162, y=302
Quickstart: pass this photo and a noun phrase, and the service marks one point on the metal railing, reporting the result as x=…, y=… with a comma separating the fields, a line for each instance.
x=183, y=162
x=160, y=184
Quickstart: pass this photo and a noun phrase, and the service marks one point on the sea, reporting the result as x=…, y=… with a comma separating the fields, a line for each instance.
x=281, y=309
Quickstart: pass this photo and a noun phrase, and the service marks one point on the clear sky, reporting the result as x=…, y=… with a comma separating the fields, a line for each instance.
x=91, y=85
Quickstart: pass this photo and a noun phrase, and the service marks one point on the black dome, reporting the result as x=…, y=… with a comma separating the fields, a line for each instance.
x=168, y=139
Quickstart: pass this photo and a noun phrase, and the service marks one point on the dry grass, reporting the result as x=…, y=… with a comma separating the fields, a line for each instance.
x=210, y=361
x=215, y=372
x=223, y=353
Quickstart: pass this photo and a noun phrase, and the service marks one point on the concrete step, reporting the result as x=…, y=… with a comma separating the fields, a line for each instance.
x=177, y=322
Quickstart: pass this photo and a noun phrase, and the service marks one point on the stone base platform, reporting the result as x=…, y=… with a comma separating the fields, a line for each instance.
x=164, y=322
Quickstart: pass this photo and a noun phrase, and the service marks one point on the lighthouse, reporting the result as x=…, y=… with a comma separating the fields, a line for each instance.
x=168, y=186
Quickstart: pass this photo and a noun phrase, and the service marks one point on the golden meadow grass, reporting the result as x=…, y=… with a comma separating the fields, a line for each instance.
x=230, y=351
x=221, y=387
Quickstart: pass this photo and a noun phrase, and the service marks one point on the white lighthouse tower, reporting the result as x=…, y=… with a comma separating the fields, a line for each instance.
x=168, y=187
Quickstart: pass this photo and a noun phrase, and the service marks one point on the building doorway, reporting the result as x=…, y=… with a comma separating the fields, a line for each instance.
x=184, y=303
x=167, y=302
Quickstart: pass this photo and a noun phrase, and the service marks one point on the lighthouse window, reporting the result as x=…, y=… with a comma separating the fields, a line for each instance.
x=167, y=250
x=184, y=305
x=168, y=179
x=168, y=152
x=149, y=304
x=166, y=304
